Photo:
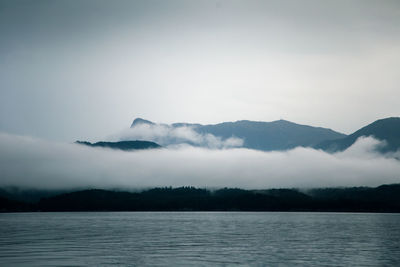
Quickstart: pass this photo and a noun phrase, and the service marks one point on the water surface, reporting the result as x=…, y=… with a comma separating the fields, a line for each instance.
x=199, y=238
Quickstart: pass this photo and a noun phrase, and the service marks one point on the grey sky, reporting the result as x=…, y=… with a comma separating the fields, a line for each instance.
x=84, y=69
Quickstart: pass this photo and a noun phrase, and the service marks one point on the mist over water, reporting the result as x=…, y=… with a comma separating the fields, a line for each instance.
x=34, y=163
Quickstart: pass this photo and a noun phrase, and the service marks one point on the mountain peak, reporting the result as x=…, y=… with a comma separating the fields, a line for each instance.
x=387, y=129
x=138, y=121
x=381, y=128
x=281, y=121
x=386, y=120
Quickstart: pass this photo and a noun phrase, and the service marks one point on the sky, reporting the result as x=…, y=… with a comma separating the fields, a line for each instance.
x=82, y=70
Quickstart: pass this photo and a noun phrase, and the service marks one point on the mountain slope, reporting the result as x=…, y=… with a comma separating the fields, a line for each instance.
x=266, y=136
x=387, y=130
x=122, y=145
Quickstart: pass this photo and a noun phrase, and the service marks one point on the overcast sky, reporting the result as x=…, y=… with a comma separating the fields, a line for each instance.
x=85, y=69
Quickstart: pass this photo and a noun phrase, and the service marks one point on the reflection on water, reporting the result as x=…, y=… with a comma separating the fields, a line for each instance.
x=200, y=238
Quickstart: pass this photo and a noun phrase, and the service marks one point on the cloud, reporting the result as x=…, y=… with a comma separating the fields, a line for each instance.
x=364, y=147
x=34, y=163
x=167, y=135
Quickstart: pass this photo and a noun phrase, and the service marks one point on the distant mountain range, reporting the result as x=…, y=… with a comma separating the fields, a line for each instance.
x=275, y=136
x=122, y=145
x=266, y=136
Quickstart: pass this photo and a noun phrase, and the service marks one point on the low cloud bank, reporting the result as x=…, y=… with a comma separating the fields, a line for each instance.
x=34, y=163
x=167, y=135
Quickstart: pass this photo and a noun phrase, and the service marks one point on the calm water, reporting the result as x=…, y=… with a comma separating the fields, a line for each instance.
x=199, y=238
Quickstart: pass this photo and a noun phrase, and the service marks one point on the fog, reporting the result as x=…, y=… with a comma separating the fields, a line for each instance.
x=167, y=135
x=33, y=163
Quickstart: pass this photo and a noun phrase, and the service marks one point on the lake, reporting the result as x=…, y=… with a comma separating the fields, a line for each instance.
x=199, y=238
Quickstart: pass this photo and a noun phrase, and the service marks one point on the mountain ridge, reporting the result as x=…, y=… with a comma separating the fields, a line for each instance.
x=386, y=129
x=260, y=135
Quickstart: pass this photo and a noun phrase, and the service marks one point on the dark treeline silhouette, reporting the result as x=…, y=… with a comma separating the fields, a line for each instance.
x=385, y=198
x=122, y=145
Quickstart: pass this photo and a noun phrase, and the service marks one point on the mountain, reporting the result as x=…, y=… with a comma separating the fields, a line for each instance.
x=122, y=145
x=266, y=136
x=138, y=121
x=387, y=130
